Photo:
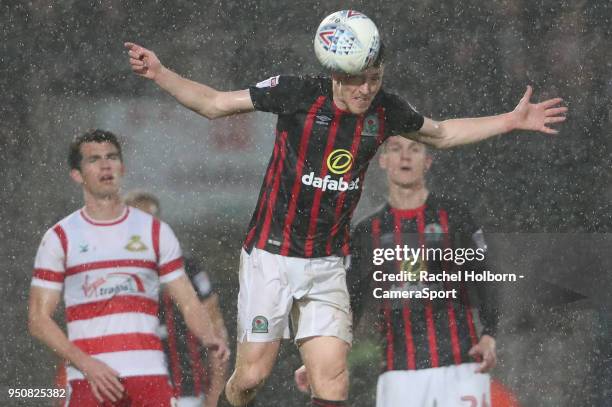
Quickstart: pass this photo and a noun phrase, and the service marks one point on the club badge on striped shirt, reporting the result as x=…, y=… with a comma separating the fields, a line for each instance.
x=370, y=126
x=135, y=245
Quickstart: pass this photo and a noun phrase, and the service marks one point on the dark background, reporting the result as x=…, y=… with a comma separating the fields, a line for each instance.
x=61, y=63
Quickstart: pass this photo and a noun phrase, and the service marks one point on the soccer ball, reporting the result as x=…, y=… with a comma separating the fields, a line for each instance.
x=347, y=41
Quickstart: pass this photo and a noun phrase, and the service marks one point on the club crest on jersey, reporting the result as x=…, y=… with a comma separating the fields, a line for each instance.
x=260, y=325
x=370, y=126
x=135, y=245
x=433, y=232
x=83, y=248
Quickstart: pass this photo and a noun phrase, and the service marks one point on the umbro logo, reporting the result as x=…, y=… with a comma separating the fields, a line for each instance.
x=323, y=120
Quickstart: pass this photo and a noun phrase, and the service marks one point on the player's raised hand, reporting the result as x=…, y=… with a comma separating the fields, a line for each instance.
x=103, y=380
x=485, y=349
x=538, y=116
x=143, y=61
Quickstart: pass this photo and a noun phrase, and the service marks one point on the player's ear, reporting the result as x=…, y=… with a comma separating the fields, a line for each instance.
x=428, y=161
x=76, y=176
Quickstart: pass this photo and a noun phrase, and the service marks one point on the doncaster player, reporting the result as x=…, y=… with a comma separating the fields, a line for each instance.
x=109, y=260
x=327, y=128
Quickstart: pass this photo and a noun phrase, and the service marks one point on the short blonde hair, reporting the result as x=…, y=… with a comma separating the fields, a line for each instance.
x=138, y=197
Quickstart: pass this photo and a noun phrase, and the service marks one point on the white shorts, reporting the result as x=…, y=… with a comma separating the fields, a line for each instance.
x=273, y=287
x=190, y=401
x=449, y=386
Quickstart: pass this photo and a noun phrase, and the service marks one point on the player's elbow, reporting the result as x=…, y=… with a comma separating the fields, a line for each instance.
x=444, y=137
x=218, y=106
x=205, y=104
x=35, y=325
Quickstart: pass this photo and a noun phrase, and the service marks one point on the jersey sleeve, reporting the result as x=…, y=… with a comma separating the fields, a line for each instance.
x=359, y=269
x=49, y=265
x=279, y=94
x=199, y=278
x=170, y=262
x=400, y=117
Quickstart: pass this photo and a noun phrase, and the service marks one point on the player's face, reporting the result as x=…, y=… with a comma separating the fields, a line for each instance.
x=101, y=169
x=356, y=92
x=405, y=161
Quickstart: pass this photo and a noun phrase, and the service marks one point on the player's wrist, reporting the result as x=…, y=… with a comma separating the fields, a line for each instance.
x=509, y=121
x=81, y=361
x=486, y=338
x=162, y=76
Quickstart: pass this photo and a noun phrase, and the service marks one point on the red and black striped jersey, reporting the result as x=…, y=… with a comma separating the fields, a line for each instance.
x=421, y=333
x=316, y=174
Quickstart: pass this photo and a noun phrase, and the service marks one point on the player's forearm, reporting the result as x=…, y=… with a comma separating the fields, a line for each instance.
x=218, y=374
x=46, y=330
x=456, y=132
x=214, y=313
x=198, y=322
x=193, y=95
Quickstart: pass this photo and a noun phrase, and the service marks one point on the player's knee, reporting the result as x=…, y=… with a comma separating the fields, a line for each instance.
x=252, y=376
x=336, y=375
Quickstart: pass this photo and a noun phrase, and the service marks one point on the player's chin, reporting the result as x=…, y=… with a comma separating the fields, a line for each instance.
x=108, y=191
x=359, y=108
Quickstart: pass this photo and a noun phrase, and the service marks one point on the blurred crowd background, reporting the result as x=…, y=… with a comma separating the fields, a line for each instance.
x=64, y=70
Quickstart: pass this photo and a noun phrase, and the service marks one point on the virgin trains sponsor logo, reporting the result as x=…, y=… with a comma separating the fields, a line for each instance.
x=113, y=284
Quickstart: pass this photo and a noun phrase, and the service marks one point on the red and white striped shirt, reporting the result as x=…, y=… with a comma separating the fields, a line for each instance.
x=111, y=273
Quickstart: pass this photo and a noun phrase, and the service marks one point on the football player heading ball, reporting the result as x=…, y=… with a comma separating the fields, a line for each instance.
x=291, y=258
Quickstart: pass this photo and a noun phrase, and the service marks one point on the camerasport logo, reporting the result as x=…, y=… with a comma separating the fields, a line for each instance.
x=339, y=162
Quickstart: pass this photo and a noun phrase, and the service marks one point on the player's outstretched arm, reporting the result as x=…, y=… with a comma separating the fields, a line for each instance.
x=198, y=97
x=195, y=316
x=526, y=116
x=103, y=380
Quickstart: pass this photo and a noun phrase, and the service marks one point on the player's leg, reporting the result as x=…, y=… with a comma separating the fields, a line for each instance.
x=325, y=358
x=264, y=303
x=324, y=329
x=254, y=363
